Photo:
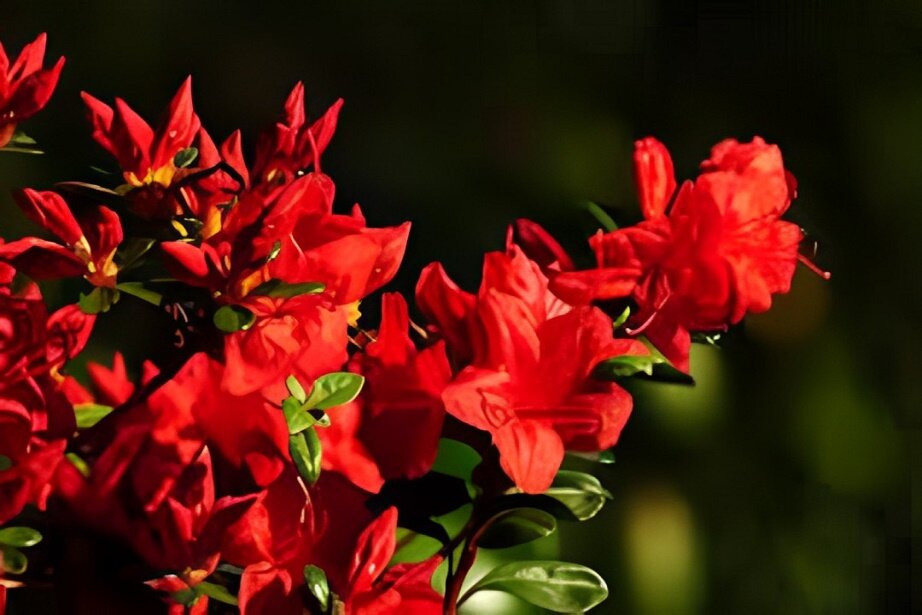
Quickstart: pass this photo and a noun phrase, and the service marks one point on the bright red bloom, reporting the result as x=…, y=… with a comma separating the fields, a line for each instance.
x=145, y=156
x=305, y=336
x=402, y=395
x=293, y=145
x=292, y=236
x=375, y=590
x=531, y=358
x=89, y=241
x=719, y=253
x=25, y=87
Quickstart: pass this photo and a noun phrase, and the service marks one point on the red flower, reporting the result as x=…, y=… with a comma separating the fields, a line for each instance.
x=719, y=252
x=402, y=395
x=529, y=383
x=373, y=589
x=89, y=243
x=146, y=156
x=305, y=336
x=25, y=87
x=291, y=146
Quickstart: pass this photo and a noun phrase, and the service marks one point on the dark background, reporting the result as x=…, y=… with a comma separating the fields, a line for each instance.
x=788, y=480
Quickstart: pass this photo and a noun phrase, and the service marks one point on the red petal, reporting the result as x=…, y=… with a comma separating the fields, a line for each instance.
x=530, y=453
x=654, y=175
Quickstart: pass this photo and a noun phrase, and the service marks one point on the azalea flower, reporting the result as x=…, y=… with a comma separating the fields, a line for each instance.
x=89, y=241
x=25, y=87
x=531, y=357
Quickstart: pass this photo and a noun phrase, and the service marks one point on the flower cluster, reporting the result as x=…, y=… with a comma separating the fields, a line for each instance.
x=270, y=465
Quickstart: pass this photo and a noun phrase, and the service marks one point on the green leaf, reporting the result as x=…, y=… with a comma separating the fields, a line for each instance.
x=186, y=596
x=5, y=463
x=581, y=493
x=21, y=150
x=622, y=318
x=20, y=536
x=556, y=586
x=413, y=547
x=626, y=365
x=297, y=418
x=603, y=457
x=232, y=318
x=515, y=527
x=21, y=138
x=78, y=462
x=216, y=592
x=305, y=450
x=456, y=459
x=601, y=216
x=14, y=560
x=334, y=389
x=278, y=288
x=99, y=300
x=185, y=157
x=294, y=387
x=316, y=580
x=137, y=289
x=131, y=250
x=274, y=252
x=90, y=414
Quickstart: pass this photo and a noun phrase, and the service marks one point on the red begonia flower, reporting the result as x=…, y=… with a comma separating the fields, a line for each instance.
x=25, y=87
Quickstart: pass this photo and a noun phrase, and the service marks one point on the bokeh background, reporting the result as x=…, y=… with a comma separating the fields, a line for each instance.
x=788, y=479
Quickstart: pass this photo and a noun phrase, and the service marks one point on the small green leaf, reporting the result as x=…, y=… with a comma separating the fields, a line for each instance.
x=21, y=138
x=230, y=569
x=21, y=150
x=622, y=318
x=185, y=157
x=90, y=414
x=5, y=463
x=334, y=389
x=296, y=416
x=232, y=318
x=137, y=289
x=556, y=586
x=627, y=365
x=581, y=493
x=216, y=592
x=20, y=536
x=515, y=527
x=14, y=561
x=186, y=596
x=601, y=216
x=305, y=450
x=274, y=252
x=294, y=387
x=78, y=462
x=99, y=300
x=316, y=580
x=279, y=289
x=131, y=250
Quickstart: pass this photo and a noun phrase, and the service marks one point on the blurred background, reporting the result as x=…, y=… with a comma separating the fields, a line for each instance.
x=788, y=479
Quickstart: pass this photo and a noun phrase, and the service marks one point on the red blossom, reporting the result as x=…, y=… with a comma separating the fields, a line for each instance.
x=719, y=252
x=25, y=87
x=401, y=395
x=88, y=241
x=145, y=155
x=531, y=357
